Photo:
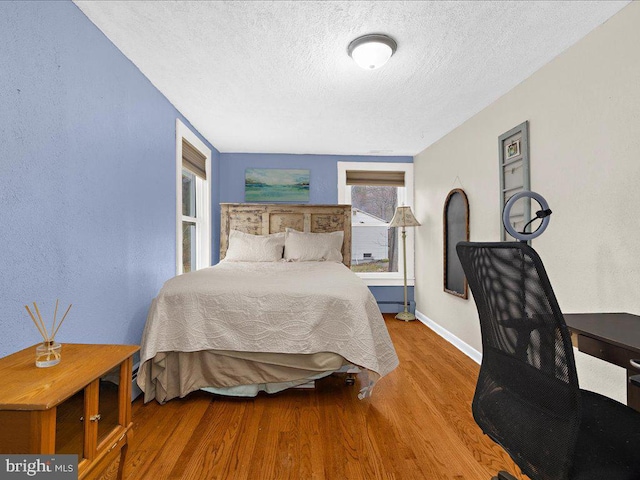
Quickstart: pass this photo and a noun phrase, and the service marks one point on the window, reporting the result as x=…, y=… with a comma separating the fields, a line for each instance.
x=373, y=209
x=193, y=200
x=374, y=190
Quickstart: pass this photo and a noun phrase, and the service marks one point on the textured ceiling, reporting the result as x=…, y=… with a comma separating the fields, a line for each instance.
x=275, y=77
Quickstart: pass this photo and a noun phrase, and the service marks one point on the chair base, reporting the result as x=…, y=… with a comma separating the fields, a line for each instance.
x=502, y=475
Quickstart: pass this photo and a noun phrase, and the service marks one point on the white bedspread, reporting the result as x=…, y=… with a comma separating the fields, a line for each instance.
x=280, y=307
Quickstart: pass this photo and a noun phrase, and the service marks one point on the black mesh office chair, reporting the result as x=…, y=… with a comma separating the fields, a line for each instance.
x=527, y=397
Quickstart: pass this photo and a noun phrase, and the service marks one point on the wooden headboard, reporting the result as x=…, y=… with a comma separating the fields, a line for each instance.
x=263, y=219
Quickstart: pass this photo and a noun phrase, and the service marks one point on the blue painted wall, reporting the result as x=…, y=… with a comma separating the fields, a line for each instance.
x=323, y=188
x=87, y=179
x=323, y=175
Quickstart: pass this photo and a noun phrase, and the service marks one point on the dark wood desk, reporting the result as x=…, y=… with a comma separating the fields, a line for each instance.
x=612, y=337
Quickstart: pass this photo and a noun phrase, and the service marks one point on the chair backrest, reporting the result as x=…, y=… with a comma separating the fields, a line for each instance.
x=527, y=397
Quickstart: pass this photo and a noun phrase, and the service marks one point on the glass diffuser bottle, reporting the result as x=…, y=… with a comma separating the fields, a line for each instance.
x=48, y=354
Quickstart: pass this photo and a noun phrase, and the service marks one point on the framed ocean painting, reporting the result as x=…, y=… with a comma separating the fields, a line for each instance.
x=276, y=185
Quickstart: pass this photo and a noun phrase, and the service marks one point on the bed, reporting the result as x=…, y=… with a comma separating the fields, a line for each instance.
x=242, y=326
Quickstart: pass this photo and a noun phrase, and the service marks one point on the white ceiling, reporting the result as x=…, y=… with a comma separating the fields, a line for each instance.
x=275, y=77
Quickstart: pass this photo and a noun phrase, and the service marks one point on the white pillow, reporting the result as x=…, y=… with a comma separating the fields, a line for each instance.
x=244, y=247
x=313, y=247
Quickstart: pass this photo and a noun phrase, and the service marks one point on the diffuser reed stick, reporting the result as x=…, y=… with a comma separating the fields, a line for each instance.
x=63, y=317
x=44, y=328
x=55, y=314
x=35, y=322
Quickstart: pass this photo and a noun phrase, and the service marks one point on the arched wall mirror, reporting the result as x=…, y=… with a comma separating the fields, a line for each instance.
x=456, y=229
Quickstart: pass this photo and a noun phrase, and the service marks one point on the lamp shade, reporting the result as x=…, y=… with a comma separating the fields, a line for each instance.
x=372, y=51
x=404, y=218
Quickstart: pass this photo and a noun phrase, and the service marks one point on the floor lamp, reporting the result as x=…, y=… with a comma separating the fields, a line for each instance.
x=404, y=218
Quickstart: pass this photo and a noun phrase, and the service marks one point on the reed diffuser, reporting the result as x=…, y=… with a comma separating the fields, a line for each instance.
x=48, y=353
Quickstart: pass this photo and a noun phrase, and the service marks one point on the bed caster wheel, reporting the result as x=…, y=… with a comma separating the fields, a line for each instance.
x=350, y=380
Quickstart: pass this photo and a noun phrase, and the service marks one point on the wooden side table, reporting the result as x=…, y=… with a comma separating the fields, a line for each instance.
x=80, y=406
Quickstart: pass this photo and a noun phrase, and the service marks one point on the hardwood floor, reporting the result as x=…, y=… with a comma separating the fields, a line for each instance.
x=417, y=425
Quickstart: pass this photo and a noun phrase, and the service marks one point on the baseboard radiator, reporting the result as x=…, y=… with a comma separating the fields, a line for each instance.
x=395, y=306
x=135, y=389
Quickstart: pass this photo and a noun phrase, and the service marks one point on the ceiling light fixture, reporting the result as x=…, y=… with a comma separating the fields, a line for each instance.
x=372, y=51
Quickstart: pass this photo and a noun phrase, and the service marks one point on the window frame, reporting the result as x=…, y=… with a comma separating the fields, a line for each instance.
x=405, y=197
x=203, y=201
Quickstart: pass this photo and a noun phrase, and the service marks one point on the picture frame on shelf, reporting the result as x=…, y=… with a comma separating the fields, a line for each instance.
x=513, y=149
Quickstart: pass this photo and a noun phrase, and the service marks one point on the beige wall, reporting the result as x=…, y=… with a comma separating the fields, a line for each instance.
x=583, y=110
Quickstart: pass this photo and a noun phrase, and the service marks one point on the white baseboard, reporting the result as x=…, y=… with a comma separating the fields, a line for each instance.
x=465, y=348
